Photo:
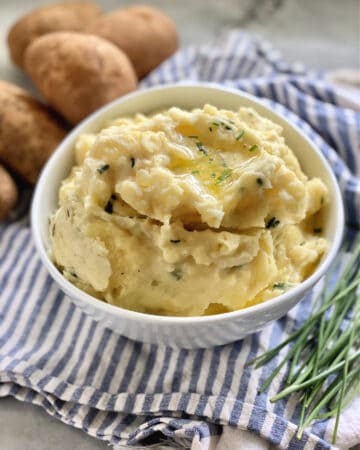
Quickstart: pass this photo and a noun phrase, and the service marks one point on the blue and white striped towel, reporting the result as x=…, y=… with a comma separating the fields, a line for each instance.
x=129, y=393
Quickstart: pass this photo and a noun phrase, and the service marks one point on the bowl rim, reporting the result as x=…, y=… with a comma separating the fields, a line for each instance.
x=75, y=293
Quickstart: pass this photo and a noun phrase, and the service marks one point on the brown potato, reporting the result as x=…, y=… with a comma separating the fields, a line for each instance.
x=145, y=34
x=77, y=73
x=8, y=193
x=29, y=132
x=67, y=16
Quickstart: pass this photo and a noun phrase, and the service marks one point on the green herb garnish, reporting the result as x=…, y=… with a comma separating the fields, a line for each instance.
x=280, y=285
x=224, y=175
x=210, y=129
x=103, y=168
x=317, y=230
x=73, y=274
x=324, y=353
x=176, y=274
x=132, y=161
x=213, y=174
x=175, y=241
x=195, y=171
x=227, y=127
x=193, y=137
x=302, y=243
x=223, y=162
x=109, y=207
x=253, y=148
x=240, y=135
x=217, y=124
x=272, y=223
x=201, y=148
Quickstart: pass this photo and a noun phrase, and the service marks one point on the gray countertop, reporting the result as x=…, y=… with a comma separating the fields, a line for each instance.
x=321, y=33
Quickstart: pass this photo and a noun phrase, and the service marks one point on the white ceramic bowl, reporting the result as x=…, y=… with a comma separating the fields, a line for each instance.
x=189, y=332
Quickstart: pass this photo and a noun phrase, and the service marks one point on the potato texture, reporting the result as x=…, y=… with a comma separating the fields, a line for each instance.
x=145, y=34
x=67, y=16
x=29, y=132
x=77, y=73
x=186, y=213
x=8, y=193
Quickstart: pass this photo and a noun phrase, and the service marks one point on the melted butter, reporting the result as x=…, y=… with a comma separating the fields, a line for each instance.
x=186, y=129
x=212, y=167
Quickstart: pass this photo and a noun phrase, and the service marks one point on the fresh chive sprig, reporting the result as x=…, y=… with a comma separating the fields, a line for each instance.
x=324, y=352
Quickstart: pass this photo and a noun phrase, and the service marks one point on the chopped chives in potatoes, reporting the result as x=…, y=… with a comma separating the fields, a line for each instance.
x=168, y=217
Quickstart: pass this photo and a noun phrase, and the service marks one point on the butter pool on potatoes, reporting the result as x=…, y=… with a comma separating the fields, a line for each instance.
x=188, y=213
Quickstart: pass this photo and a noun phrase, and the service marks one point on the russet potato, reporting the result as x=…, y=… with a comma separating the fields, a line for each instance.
x=8, y=193
x=77, y=73
x=145, y=34
x=29, y=132
x=67, y=16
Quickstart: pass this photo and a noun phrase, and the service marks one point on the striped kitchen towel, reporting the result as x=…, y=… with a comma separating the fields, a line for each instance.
x=133, y=394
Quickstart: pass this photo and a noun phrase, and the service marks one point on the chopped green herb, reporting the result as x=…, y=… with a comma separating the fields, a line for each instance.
x=318, y=230
x=210, y=129
x=175, y=241
x=227, y=127
x=259, y=181
x=103, y=168
x=67, y=212
x=224, y=175
x=132, y=161
x=73, y=274
x=223, y=162
x=302, y=243
x=240, y=135
x=280, y=285
x=272, y=223
x=231, y=121
x=195, y=171
x=201, y=148
x=253, y=148
x=211, y=159
x=193, y=137
x=213, y=174
x=53, y=230
x=176, y=274
x=109, y=207
x=217, y=124
x=322, y=356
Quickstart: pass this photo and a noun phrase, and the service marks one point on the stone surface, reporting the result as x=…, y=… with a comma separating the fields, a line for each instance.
x=322, y=33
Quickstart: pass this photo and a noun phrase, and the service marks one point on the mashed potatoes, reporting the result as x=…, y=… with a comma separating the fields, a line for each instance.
x=188, y=213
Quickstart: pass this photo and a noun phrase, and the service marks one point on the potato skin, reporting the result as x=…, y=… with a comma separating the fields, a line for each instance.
x=145, y=34
x=67, y=16
x=29, y=132
x=77, y=73
x=8, y=193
